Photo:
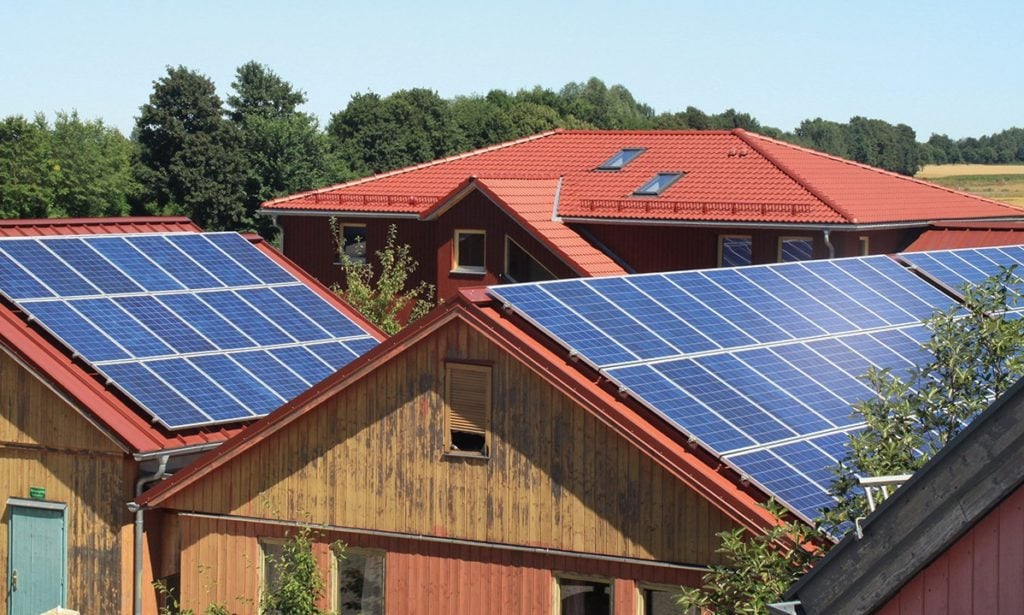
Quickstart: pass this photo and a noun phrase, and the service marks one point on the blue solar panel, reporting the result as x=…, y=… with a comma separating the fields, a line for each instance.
x=954, y=268
x=197, y=329
x=769, y=362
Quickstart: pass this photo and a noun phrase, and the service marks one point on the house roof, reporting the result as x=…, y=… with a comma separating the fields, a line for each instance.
x=965, y=480
x=695, y=469
x=110, y=411
x=949, y=235
x=730, y=177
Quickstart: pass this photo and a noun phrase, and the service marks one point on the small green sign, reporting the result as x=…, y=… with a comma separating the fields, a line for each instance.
x=37, y=493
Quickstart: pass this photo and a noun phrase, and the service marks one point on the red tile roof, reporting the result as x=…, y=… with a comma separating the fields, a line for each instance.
x=952, y=235
x=731, y=176
x=101, y=405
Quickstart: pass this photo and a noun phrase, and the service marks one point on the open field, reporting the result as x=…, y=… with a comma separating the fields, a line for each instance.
x=1001, y=182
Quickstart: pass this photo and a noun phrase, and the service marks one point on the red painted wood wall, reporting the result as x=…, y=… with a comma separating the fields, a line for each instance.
x=982, y=572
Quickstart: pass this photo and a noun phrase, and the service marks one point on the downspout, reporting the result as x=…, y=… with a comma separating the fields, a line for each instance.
x=828, y=243
x=161, y=472
x=280, y=232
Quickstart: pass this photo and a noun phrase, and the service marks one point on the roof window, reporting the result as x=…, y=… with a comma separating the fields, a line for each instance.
x=659, y=184
x=621, y=159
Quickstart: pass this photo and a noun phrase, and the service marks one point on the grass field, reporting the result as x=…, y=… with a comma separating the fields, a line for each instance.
x=1001, y=182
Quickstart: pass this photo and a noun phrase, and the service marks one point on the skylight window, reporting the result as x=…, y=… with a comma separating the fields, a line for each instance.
x=621, y=159
x=659, y=184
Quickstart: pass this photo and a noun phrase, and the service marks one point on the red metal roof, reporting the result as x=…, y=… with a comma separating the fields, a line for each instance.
x=694, y=467
x=952, y=235
x=730, y=176
x=112, y=412
x=90, y=226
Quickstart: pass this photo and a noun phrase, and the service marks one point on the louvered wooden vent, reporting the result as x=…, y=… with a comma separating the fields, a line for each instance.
x=468, y=393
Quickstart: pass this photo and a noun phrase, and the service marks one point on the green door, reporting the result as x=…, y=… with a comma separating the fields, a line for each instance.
x=37, y=572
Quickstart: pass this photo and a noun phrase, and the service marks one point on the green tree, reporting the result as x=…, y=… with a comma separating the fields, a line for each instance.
x=300, y=583
x=382, y=295
x=26, y=167
x=283, y=148
x=758, y=569
x=91, y=169
x=977, y=353
x=190, y=156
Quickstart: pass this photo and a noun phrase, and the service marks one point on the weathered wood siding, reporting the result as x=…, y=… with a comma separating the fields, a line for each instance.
x=372, y=457
x=982, y=572
x=420, y=577
x=45, y=443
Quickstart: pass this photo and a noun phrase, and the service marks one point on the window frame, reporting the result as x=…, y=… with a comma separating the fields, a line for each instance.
x=608, y=166
x=508, y=241
x=262, y=541
x=336, y=574
x=478, y=366
x=785, y=238
x=556, y=594
x=662, y=187
x=865, y=245
x=721, y=247
x=641, y=598
x=468, y=269
x=341, y=230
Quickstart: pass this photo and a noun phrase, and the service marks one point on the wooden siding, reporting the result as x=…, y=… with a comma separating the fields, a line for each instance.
x=45, y=443
x=372, y=457
x=420, y=576
x=982, y=572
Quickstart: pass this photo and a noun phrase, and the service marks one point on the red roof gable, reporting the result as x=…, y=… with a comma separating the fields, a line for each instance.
x=111, y=412
x=730, y=176
x=952, y=235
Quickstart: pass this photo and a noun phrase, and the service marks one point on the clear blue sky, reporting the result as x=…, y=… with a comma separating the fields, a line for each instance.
x=945, y=67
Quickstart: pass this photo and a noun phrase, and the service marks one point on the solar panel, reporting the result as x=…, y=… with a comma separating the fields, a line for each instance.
x=197, y=328
x=954, y=268
x=761, y=364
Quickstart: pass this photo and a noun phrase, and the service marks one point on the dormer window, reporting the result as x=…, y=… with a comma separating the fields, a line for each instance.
x=621, y=159
x=658, y=184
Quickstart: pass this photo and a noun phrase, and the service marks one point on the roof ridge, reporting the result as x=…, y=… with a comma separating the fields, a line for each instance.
x=871, y=168
x=641, y=131
x=746, y=137
x=409, y=169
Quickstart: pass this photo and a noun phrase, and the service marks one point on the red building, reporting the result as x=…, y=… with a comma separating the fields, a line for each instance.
x=949, y=541
x=592, y=203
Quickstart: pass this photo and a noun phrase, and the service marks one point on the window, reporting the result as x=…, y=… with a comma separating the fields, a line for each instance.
x=661, y=600
x=621, y=159
x=659, y=184
x=469, y=252
x=360, y=582
x=468, y=407
x=734, y=250
x=271, y=551
x=352, y=238
x=795, y=249
x=580, y=597
x=865, y=246
x=521, y=267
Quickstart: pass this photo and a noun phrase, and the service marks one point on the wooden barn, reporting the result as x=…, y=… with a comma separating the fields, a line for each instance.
x=75, y=448
x=949, y=541
x=592, y=203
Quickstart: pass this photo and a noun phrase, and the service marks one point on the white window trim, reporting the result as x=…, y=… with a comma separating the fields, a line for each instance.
x=336, y=571
x=509, y=240
x=785, y=238
x=721, y=246
x=471, y=269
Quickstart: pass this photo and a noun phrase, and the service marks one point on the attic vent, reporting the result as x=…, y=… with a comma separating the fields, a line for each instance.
x=658, y=184
x=468, y=408
x=621, y=159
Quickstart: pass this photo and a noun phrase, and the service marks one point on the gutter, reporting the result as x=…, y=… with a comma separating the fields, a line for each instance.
x=339, y=214
x=769, y=225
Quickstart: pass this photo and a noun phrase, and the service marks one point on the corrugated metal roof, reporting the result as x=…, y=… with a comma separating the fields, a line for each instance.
x=949, y=236
x=31, y=227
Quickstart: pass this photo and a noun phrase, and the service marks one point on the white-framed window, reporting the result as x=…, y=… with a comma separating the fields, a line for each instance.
x=653, y=599
x=520, y=266
x=735, y=250
x=583, y=596
x=793, y=249
x=359, y=582
x=469, y=251
x=865, y=245
x=467, y=407
x=271, y=550
x=352, y=242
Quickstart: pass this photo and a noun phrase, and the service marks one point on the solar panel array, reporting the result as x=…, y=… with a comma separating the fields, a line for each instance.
x=760, y=364
x=954, y=268
x=197, y=328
